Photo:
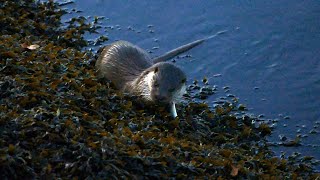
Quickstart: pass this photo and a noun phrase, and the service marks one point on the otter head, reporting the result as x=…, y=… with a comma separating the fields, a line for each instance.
x=166, y=82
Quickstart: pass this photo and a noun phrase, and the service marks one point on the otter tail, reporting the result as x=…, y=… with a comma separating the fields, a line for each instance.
x=169, y=55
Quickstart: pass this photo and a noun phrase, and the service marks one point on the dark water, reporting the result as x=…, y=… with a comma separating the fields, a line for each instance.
x=270, y=56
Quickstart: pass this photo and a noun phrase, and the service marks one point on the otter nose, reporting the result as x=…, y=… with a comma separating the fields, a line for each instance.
x=160, y=98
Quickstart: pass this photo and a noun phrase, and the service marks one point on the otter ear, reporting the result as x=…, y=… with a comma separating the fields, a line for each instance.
x=156, y=69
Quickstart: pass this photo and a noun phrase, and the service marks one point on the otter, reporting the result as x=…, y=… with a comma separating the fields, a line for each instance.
x=132, y=70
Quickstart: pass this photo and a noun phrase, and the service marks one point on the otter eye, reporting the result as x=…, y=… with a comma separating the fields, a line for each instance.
x=183, y=80
x=146, y=72
x=156, y=70
x=156, y=85
x=171, y=90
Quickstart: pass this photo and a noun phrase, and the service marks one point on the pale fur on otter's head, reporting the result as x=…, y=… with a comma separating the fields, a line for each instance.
x=162, y=82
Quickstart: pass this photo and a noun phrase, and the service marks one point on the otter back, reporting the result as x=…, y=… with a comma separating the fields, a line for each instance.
x=122, y=62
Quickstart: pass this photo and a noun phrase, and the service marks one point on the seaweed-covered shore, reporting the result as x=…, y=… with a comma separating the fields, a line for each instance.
x=57, y=120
